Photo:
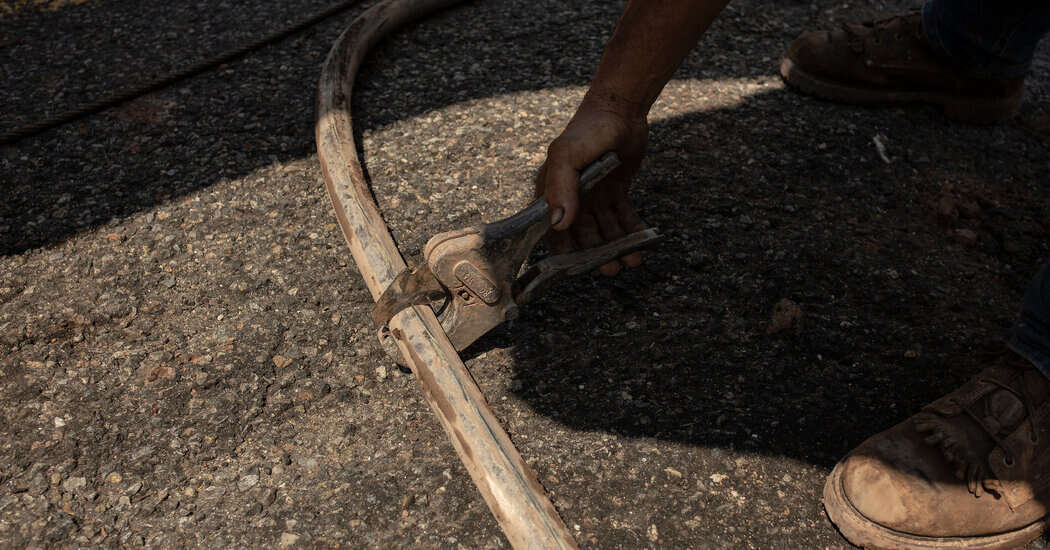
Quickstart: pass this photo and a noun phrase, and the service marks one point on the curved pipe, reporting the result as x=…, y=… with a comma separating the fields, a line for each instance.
x=506, y=482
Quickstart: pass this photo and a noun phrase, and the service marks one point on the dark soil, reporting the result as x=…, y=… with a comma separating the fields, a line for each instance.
x=186, y=356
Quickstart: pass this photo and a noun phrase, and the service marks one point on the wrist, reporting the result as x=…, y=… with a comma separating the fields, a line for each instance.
x=611, y=100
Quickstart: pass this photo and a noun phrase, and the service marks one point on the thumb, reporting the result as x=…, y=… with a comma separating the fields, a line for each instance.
x=562, y=183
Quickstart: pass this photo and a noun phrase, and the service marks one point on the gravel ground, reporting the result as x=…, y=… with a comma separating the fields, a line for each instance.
x=187, y=359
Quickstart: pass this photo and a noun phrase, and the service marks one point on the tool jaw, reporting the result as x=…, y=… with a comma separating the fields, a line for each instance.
x=477, y=266
x=474, y=271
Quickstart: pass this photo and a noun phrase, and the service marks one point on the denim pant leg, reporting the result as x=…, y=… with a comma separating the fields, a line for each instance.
x=992, y=39
x=1031, y=338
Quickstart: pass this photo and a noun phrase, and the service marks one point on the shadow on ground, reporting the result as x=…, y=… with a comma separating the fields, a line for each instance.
x=227, y=123
x=686, y=347
x=906, y=274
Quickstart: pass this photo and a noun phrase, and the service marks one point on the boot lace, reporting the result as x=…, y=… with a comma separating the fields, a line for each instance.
x=1029, y=410
x=880, y=30
x=970, y=458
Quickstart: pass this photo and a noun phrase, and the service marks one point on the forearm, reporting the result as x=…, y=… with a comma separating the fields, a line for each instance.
x=651, y=40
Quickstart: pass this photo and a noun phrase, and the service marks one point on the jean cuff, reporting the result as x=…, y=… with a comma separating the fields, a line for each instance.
x=974, y=65
x=1038, y=357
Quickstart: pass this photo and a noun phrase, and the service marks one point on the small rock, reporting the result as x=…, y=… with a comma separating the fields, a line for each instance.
x=786, y=315
x=160, y=373
x=947, y=210
x=268, y=496
x=381, y=373
x=248, y=481
x=135, y=488
x=964, y=236
x=213, y=492
x=59, y=422
x=142, y=452
x=161, y=356
x=288, y=539
x=969, y=209
x=307, y=462
x=114, y=477
x=169, y=282
x=281, y=362
x=698, y=144
x=74, y=483
x=718, y=478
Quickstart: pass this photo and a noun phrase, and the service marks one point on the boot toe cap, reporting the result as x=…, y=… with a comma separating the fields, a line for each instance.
x=898, y=482
x=879, y=492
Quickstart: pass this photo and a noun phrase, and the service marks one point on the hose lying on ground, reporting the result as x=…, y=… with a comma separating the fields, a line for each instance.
x=508, y=485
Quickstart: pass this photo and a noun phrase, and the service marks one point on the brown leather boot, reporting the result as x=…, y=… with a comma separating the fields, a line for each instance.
x=972, y=470
x=890, y=62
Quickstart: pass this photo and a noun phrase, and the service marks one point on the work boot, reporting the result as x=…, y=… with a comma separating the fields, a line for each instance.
x=889, y=61
x=972, y=470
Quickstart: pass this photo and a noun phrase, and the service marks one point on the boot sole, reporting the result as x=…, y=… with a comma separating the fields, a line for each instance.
x=971, y=110
x=867, y=534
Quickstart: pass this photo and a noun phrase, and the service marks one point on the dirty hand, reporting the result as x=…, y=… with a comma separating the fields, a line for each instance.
x=605, y=213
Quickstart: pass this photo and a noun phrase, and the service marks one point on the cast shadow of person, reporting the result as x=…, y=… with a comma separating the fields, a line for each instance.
x=809, y=294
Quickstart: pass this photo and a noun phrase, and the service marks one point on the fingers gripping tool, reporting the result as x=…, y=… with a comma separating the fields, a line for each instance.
x=471, y=275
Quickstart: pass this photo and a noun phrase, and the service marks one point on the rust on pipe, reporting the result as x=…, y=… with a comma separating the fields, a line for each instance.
x=505, y=481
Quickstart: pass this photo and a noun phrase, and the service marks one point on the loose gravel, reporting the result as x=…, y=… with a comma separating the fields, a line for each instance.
x=186, y=356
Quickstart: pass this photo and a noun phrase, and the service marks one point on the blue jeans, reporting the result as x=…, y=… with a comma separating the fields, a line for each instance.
x=1031, y=338
x=996, y=39
x=990, y=39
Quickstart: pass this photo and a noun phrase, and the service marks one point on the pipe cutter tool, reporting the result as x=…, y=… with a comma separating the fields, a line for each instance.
x=471, y=275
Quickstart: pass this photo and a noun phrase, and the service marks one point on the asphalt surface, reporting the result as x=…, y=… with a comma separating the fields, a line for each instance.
x=187, y=358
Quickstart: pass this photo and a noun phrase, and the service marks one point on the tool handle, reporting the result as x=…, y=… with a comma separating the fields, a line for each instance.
x=597, y=170
x=539, y=276
x=485, y=261
x=531, y=223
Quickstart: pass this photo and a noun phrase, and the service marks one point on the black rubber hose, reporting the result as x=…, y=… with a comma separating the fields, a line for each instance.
x=11, y=136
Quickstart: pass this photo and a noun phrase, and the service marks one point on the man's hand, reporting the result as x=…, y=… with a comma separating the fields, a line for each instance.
x=648, y=44
x=601, y=124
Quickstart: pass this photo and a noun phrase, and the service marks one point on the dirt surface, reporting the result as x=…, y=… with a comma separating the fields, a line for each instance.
x=187, y=359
